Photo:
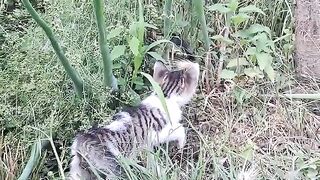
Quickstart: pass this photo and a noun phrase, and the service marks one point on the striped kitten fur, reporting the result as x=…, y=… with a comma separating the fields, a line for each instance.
x=140, y=127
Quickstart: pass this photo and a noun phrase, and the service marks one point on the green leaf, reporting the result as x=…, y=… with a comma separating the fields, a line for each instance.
x=117, y=66
x=227, y=74
x=251, y=51
x=253, y=72
x=248, y=151
x=251, y=8
x=121, y=81
x=264, y=60
x=237, y=62
x=155, y=44
x=133, y=28
x=134, y=98
x=241, y=95
x=239, y=18
x=222, y=39
x=270, y=73
x=255, y=28
x=233, y=5
x=157, y=89
x=134, y=45
x=117, y=51
x=222, y=8
x=156, y=56
x=115, y=32
x=288, y=48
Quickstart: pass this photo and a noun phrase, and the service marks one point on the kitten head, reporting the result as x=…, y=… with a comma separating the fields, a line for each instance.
x=180, y=84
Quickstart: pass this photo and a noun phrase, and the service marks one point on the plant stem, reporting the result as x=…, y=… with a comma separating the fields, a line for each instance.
x=33, y=160
x=222, y=56
x=167, y=14
x=198, y=6
x=108, y=78
x=72, y=73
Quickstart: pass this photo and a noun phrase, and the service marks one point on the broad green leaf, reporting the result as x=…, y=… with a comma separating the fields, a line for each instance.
x=255, y=28
x=222, y=39
x=251, y=8
x=222, y=8
x=117, y=51
x=253, y=72
x=134, y=45
x=242, y=34
x=233, y=5
x=157, y=89
x=251, y=51
x=270, y=73
x=156, y=56
x=262, y=42
x=264, y=60
x=114, y=33
x=137, y=61
x=237, y=62
x=227, y=74
x=239, y=18
x=156, y=43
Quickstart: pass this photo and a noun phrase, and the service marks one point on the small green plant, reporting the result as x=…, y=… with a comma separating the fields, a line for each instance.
x=254, y=39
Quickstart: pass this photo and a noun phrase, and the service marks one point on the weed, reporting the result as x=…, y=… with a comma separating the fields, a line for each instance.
x=239, y=128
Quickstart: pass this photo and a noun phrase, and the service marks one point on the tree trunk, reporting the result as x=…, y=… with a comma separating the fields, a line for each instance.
x=307, y=43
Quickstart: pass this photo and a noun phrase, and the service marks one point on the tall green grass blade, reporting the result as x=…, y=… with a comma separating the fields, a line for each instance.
x=167, y=14
x=159, y=92
x=72, y=73
x=198, y=7
x=33, y=160
x=141, y=23
x=108, y=77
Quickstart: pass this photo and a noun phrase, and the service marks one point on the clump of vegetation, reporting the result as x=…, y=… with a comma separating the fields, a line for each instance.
x=239, y=126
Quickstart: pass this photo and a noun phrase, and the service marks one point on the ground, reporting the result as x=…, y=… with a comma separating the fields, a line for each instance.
x=240, y=128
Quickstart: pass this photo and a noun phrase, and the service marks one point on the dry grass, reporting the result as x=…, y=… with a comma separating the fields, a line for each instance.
x=240, y=129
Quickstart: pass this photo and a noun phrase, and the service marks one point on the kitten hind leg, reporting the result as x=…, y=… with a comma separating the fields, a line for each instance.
x=178, y=134
x=171, y=133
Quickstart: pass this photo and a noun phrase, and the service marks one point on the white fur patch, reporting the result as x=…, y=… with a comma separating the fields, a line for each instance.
x=119, y=125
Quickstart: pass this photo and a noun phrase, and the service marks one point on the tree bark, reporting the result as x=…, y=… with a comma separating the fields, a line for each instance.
x=307, y=43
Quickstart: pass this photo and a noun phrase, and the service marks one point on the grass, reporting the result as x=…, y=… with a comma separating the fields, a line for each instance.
x=241, y=129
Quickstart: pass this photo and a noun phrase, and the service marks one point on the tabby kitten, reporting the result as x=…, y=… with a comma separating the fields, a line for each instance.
x=144, y=126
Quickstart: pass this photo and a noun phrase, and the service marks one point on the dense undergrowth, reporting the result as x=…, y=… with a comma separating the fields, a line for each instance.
x=240, y=127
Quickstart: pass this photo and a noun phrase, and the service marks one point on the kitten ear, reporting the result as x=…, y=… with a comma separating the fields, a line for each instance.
x=159, y=71
x=191, y=75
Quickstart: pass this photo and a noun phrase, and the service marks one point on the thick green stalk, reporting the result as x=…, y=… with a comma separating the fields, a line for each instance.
x=167, y=13
x=72, y=73
x=34, y=159
x=198, y=6
x=108, y=77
